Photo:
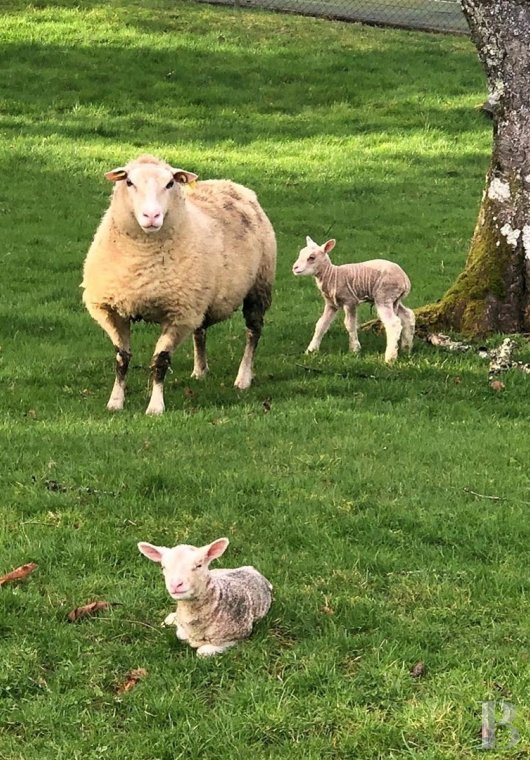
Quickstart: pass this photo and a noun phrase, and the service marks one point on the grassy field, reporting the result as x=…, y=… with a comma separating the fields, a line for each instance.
x=354, y=492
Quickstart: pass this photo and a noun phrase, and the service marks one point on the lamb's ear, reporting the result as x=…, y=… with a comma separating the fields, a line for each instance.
x=329, y=245
x=216, y=548
x=154, y=553
x=309, y=241
x=116, y=174
x=184, y=177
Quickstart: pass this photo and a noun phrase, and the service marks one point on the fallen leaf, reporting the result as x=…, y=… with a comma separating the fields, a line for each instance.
x=131, y=680
x=457, y=380
x=18, y=573
x=53, y=485
x=266, y=405
x=32, y=414
x=497, y=385
x=87, y=609
x=188, y=393
x=325, y=610
x=418, y=671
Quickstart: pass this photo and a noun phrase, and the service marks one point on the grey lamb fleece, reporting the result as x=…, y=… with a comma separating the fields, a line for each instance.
x=376, y=281
x=231, y=603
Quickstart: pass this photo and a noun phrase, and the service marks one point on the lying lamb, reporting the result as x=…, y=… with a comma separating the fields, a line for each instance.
x=378, y=281
x=215, y=608
x=183, y=258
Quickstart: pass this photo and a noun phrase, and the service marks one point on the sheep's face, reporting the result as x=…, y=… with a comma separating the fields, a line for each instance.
x=185, y=567
x=311, y=258
x=149, y=189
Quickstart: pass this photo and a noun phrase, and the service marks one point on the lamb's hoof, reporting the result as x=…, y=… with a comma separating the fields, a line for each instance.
x=310, y=350
x=199, y=374
x=209, y=650
x=171, y=619
x=390, y=360
x=181, y=636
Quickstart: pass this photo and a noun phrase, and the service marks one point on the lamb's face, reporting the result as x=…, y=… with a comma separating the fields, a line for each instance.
x=311, y=257
x=185, y=567
x=149, y=189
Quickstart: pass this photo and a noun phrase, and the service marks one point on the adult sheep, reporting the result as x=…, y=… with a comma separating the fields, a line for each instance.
x=182, y=254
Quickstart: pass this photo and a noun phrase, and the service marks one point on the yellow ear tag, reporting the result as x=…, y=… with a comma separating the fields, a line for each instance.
x=192, y=185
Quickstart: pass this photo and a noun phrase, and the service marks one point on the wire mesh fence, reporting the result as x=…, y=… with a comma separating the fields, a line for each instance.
x=432, y=15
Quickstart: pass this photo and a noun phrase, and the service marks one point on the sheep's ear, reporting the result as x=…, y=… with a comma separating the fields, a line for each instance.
x=309, y=241
x=154, y=553
x=184, y=177
x=116, y=174
x=216, y=548
x=329, y=246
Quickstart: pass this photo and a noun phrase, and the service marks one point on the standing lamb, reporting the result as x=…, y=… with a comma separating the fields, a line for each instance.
x=378, y=281
x=215, y=608
x=181, y=254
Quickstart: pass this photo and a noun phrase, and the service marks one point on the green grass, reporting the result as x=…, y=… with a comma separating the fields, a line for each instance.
x=352, y=494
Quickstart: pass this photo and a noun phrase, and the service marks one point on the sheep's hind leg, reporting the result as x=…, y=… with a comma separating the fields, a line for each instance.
x=350, y=323
x=171, y=337
x=408, y=322
x=392, y=325
x=254, y=307
x=321, y=327
x=200, y=362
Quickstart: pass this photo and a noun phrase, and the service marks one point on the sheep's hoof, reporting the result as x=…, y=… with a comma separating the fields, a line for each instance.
x=155, y=411
x=310, y=350
x=171, y=619
x=199, y=374
x=243, y=381
x=390, y=360
x=115, y=406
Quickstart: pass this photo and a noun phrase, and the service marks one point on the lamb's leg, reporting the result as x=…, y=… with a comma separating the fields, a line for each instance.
x=208, y=650
x=171, y=337
x=200, y=363
x=254, y=307
x=119, y=331
x=392, y=325
x=408, y=321
x=321, y=327
x=350, y=323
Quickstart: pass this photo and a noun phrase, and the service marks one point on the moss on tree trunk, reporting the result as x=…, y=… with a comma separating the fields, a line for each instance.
x=492, y=293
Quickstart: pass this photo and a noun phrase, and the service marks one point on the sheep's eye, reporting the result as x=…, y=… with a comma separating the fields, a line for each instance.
x=170, y=184
x=129, y=183
x=311, y=258
x=196, y=567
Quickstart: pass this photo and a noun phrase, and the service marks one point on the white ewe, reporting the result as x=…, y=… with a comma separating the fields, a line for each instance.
x=183, y=257
x=378, y=281
x=215, y=608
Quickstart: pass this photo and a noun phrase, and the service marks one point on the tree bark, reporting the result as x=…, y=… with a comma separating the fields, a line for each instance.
x=492, y=294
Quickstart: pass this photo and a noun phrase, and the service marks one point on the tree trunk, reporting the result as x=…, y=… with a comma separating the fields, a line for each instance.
x=492, y=294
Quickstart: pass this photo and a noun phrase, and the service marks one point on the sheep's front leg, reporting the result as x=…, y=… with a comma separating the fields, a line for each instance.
x=350, y=323
x=392, y=325
x=321, y=327
x=200, y=362
x=119, y=331
x=171, y=337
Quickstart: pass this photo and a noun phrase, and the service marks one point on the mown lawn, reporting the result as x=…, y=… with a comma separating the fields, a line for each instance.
x=352, y=492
